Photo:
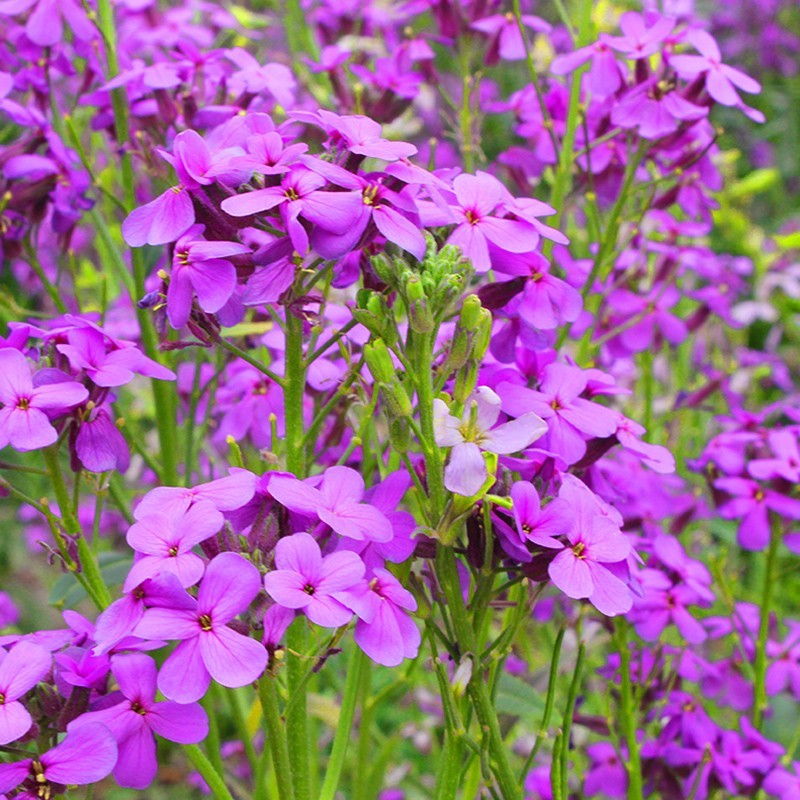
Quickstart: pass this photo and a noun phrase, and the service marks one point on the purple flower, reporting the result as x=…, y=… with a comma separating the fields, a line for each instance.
x=507, y=41
x=209, y=648
x=721, y=80
x=388, y=635
x=568, y=415
x=225, y=494
x=200, y=267
x=337, y=503
x=165, y=542
x=45, y=25
x=605, y=75
x=607, y=775
x=362, y=136
x=477, y=199
x=86, y=755
x=466, y=471
x=99, y=445
x=786, y=458
x=536, y=524
x=25, y=416
x=300, y=195
x=581, y=569
x=20, y=670
x=638, y=40
x=752, y=503
x=305, y=580
x=106, y=363
x=663, y=603
x=135, y=719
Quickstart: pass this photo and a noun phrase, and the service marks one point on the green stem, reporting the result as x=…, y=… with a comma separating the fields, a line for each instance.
x=297, y=720
x=94, y=584
x=569, y=712
x=447, y=572
x=760, y=700
x=294, y=392
x=343, y=728
x=633, y=763
x=275, y=731
x=214, y=780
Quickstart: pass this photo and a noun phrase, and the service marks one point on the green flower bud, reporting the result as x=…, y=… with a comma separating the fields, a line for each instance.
x=466, y=381
x=396, y=398
x=399, y=435
x=379, y=361
x=483, y=334
x=470, y=312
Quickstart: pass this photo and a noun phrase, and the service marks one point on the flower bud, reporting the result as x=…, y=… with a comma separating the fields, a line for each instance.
x=483, y=335
x=379, y=361
x=466, y=381
x=396, y=398
x=470, y=312
x=420, y=317
x=399, y=435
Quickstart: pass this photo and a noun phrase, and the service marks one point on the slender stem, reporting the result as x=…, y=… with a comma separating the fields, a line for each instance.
x=569, y=711
x=549, y=703
x=275, y=731
x=294, y=392
x=633, y=763
x=94, y=584
x=345, y=725
x=214, y=780
x=760, y=700
x=478, y=691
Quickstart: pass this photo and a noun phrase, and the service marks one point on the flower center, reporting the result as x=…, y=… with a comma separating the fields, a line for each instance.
x=182, y=257
x=2, y=698
x=205, y=622
x=23, y=403
x=173, y=551
x=309, y=589
x=138, y=708
x=472, y=217
x=42, y=786
x=291, y=194
x=369, y=194
x=578, y=550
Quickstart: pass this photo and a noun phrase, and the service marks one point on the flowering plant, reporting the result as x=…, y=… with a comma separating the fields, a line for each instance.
x=397, y=400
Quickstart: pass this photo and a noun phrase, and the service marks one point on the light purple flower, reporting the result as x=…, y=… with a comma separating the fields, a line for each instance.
x=135, y=719
x=568, y=415
x=306, y=581
x=209, y=648
x=581, y=569
x=475, y=431
x=165, y=542
x=99, y=445
x=536, y=524
x=200, y=267
x=507, y=41
x=337, y=503
x=389, y=634
x=27, y=408
x=84, y=756
x=721, y=80
x=638, y=40
x=20, y=671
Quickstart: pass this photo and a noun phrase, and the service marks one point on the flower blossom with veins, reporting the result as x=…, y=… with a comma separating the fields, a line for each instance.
x=474, y=432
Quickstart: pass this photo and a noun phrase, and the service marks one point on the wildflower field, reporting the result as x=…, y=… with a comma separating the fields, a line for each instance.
x=399, y=399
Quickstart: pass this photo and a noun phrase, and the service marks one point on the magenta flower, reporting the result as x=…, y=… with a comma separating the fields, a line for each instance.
x=299, y=195
x=506, y=39
x=477, y=199
x=225, y=494
x=200, y=267
x=27, y=408
x=721, y=80
x=305, y=580
x=389, y=634
x=337, y=503
x=638, y=40
x=536, y=524
x=785, y=462
x=165, y=542
x=362, y=136
x=750, y=502
x=45, y=25
x=664, y=603
x=99, y=445
x=475, y=431
x=86, y=755
x=105, y=363
x=138, y=716
x=209, y=648
x=605, y=75
x=569, y=417
x=20, y=671
x=582, y=568
x=172, y=213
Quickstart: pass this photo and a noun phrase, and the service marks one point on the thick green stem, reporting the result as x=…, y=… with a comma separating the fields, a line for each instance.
x=92, y=579
x=345, y=725
x=214, y=780
x=628, y=720
x=760, y=699
x=294, y=391
x=276, y=735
